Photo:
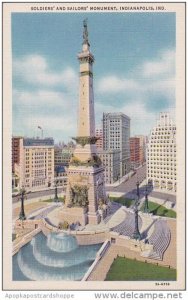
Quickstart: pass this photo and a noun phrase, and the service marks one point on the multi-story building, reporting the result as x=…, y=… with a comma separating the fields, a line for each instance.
x=143, y=142
x=35, y=163
x=99, y=135
x=62, y=156
x=134, y=152
x=111, y=162
x=116, y=134
x=138, y=150
x=161, y=154
x=17, y=145
x=60, y=176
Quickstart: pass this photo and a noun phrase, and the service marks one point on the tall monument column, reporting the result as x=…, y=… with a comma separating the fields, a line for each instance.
x=85, y=188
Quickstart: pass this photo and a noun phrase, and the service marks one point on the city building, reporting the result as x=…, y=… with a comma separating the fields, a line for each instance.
x=161, y=154
x=34, y=162
x=137, y=150
x=60, y=177
x=143, y=143
x=116, y=134
x=17, y=145
x=111, y=163
x=62, y=156
x=99, y=135
x=134, y=152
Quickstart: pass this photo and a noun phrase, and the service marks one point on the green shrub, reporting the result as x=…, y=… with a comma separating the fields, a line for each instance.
x=63, y=225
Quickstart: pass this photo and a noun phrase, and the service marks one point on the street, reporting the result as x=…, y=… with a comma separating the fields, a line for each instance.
x=38, y=194
x=128, y=188
x=130, y=185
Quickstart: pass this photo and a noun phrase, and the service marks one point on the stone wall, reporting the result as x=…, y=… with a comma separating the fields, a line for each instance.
x=89, y=238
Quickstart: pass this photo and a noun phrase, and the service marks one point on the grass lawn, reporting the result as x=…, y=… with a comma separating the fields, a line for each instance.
x=160, y=210
x=124, y=269
x=61, y=199
x=124, y=201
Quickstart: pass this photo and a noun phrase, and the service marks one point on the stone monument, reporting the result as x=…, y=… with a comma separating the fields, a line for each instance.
x=85, y=188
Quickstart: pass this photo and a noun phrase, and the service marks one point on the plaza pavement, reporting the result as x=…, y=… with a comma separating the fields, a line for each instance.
x=115, y=219
x=28, y=208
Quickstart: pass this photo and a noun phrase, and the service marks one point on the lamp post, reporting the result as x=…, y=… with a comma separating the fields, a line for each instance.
x=146, y=205
x=137, y=189
x=136, y=233
x=56, y=196
x=22, y=213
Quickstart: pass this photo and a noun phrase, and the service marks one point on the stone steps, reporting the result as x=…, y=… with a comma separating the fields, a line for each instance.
x=160, y=239
x=127, y=227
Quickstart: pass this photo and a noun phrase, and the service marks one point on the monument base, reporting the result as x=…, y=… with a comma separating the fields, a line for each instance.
x=94, y=218
x=73, y=215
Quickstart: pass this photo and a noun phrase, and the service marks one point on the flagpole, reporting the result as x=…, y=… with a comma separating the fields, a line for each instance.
x=39, y=127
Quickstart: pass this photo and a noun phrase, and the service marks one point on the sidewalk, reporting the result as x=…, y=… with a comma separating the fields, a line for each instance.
x=121, y=180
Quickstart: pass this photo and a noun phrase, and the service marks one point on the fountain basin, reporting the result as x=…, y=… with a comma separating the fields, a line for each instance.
x=55, y=257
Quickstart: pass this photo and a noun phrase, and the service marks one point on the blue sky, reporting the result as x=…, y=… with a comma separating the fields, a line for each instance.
x=134, y=70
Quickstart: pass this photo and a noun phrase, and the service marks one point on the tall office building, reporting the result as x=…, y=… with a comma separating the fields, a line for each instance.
x=135, y=152
x=34, y=164
x=99, y=135
x=111, y=162
x=116, y=134
x=142, y=150
x=161, y=154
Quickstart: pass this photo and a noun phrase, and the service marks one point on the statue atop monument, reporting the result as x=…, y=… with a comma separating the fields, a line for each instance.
x=85, y=33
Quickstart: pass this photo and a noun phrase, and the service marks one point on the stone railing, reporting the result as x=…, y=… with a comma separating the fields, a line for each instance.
x=25, y=239
x=47, y=228
x=99, y=255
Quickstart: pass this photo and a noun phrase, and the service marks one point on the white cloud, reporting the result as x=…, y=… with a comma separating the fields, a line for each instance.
x=43, y=98
x=52, y=103
x=36, y=70
x=154, y=80
x=156, y=75
x=56, y=109
x=164, y=65
x=113, y=84
x=165, y=87
x=30, y=63
x=57, y=119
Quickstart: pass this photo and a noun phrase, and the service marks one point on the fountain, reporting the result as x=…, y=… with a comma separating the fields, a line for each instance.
x=61, y=242
x=55, y=257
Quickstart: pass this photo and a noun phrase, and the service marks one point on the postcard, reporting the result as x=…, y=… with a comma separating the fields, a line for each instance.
x=93, y=146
